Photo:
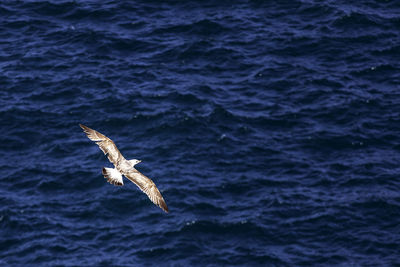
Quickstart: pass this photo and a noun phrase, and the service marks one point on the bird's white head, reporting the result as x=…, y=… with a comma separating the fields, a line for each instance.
x=133, y=162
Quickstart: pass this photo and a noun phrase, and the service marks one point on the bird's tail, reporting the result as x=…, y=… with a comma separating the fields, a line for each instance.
x=113, y=176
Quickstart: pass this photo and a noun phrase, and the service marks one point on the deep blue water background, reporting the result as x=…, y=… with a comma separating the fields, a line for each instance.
x=272, y=129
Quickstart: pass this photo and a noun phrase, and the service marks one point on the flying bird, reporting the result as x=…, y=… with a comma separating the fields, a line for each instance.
x=124, y=167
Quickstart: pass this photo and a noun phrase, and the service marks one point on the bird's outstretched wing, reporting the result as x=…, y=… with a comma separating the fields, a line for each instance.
x=148, y=187
x=106, y=144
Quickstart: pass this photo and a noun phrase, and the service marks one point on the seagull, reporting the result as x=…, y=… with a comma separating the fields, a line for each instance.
x=124, y=167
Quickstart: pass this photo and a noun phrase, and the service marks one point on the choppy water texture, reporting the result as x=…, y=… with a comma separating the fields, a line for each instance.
x=270, y=127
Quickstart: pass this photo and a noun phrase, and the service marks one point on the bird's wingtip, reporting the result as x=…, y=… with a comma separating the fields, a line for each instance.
x=164, y=207
x=84, y=127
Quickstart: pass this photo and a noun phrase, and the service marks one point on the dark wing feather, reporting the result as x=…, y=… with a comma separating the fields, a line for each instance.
x=148, y=187
x=106, y=144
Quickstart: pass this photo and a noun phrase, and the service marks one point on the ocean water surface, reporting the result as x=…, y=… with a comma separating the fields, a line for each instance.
x=271, y=128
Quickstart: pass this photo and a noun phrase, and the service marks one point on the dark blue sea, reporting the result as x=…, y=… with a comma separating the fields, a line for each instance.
x=271, y=128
